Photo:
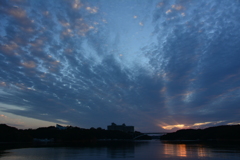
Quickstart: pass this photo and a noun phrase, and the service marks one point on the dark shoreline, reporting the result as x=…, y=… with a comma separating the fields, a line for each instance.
x=237, y=142
x=226, y=133
x=68, y=135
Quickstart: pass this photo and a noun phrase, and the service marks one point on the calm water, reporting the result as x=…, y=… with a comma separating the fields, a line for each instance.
x=151, y=150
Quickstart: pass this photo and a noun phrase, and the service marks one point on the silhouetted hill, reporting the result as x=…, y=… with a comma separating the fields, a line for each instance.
x=8, y=134
x=220, y=133
x=5, y=127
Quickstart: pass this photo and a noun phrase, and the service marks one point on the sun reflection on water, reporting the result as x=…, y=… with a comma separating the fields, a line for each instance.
x=182, y=150
x=178, y=150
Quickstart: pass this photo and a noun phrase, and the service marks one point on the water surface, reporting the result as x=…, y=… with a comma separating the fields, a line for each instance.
x=132, y=150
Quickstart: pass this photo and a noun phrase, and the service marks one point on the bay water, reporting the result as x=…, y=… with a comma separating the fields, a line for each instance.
x=135, y=150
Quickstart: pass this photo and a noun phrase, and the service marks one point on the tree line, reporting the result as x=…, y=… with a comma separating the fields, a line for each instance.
x=68, y=135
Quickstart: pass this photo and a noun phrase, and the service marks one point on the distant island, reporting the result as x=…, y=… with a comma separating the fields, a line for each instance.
x=219, y=133
x=63, y=135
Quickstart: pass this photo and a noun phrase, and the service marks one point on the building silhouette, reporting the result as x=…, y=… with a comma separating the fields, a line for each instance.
x=122, y=127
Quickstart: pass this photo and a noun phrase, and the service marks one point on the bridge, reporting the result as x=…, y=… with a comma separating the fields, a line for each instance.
x=162, y=133
x=154, y=135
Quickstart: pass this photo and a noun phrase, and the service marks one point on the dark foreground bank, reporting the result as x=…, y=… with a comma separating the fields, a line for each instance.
x=74, y=135
x=227, y=133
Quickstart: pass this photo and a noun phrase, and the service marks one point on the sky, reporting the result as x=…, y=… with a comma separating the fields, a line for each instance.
x=158, y=65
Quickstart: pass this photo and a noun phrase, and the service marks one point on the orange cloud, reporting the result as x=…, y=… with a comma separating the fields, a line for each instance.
x=77, y=4
x=53, y=66
x=17, y=12
x=82, y=27
x=229, y=77
x=160, y=4
x=187, y=93
x=46, y=13
x=3, y=84
x=92, y=10
x=29, y=64
x=3, y=116
x=200, y=124
x=163, y=90
x=37, y=43
x=168, y=11
x=67, y=32
x=177, y=7
x=65, y=24
x=233, y=89
x=185, y=126
x=169, y=127
x=9, y=48
x=68, y=50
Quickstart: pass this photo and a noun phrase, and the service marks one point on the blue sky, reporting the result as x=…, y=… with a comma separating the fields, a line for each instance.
x=160, y=65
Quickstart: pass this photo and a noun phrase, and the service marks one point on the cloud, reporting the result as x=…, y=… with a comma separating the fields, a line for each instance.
x=64, y=63
x=169, y=127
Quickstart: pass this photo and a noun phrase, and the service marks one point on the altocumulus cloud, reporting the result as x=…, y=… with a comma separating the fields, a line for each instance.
x=157, y=65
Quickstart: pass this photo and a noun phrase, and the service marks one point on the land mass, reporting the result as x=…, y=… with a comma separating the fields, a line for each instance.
x=69, y=134
x=218, y=133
